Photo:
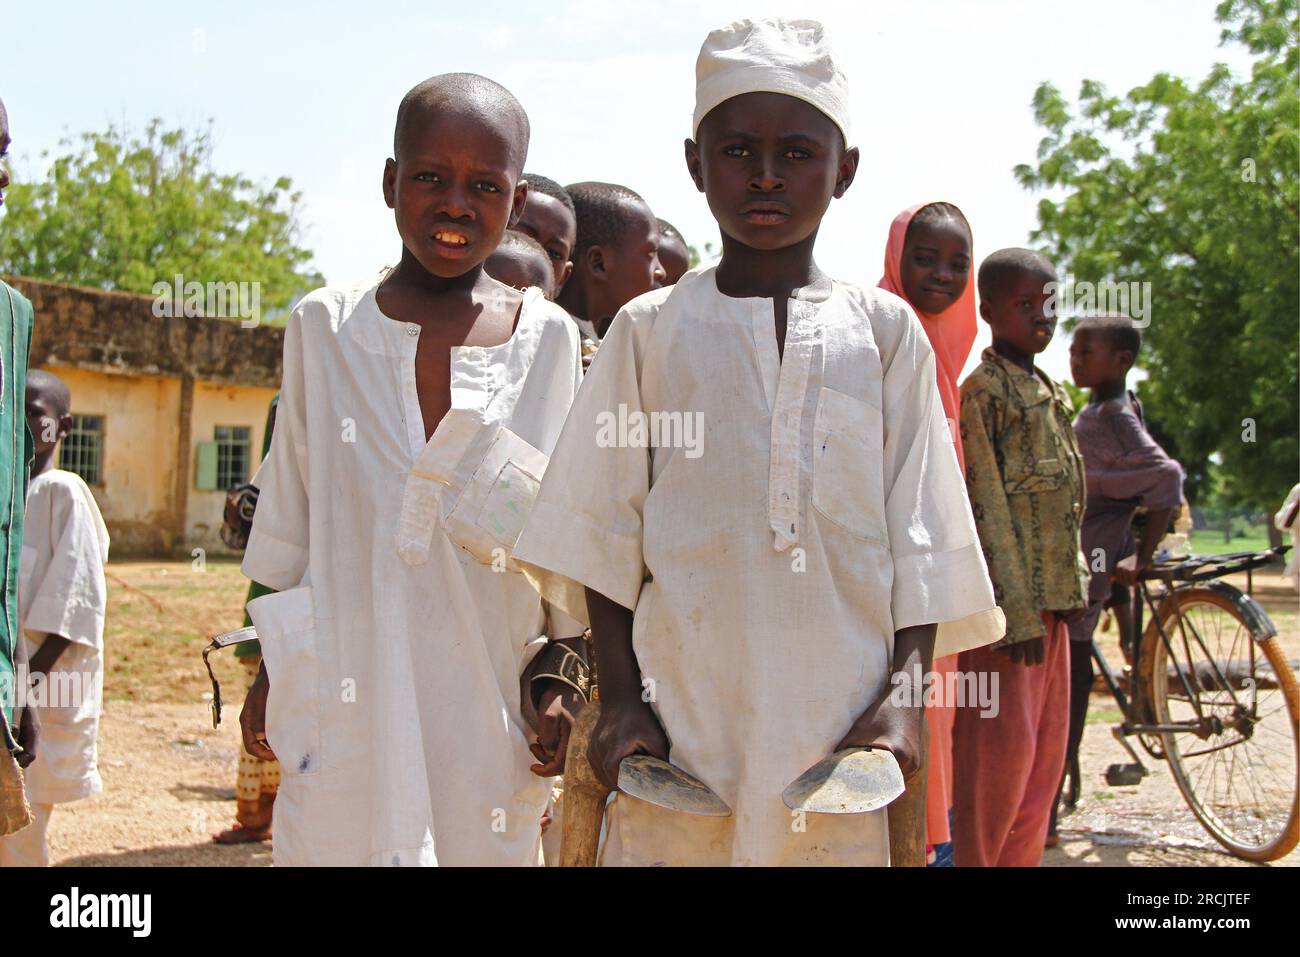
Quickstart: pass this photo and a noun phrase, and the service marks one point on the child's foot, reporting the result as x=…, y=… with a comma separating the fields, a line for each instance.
x=242, y=835
x=1052, y=840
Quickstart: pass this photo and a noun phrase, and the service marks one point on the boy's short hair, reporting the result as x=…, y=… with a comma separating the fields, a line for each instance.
x=513, y=239
x=1001, y=268
x=517, y=242
x=933, y=213
x=487, y=97
x=52, y=387
x=1120, y=331
x=537, y=183
x=668, y=229
x=602, y=211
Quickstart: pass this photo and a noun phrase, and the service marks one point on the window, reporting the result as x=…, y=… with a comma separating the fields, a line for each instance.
x=234, y=443
x=82, y=451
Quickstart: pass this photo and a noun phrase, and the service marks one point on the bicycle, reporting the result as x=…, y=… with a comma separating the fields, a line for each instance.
x=1213, y=695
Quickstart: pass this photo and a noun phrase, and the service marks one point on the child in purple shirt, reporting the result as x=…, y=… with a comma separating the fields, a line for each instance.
x=1124, y=469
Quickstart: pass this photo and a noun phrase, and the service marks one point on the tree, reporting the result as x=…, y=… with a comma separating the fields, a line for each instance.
x=1194, y=189
x=126, y=212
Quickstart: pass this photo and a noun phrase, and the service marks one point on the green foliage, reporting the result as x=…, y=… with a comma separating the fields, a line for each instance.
x=125, y=212
x=1194, y=188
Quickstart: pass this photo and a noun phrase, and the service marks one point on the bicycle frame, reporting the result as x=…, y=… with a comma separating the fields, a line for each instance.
x=1202, y=726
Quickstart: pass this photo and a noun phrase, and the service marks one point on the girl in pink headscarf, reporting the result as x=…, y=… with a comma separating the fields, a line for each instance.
x=928, y=263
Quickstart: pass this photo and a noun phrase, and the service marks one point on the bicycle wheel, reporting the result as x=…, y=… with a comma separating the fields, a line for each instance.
x=1239, y=771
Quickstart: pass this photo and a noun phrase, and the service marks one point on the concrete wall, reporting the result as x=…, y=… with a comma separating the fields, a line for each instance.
x=161, y=384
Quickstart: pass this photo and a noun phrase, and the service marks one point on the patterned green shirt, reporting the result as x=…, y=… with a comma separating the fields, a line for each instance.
x=1024, y=473
x=16, y=449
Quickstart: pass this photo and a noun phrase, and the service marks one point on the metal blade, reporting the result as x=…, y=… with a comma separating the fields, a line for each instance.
x=663, y=785
x=852, y=781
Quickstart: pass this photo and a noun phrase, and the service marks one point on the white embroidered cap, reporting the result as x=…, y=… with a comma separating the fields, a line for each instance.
x=771, y=56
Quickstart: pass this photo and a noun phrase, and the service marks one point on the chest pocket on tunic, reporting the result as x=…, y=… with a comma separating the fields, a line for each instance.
x=490, y=514
x=484, y=483
x=848, y=477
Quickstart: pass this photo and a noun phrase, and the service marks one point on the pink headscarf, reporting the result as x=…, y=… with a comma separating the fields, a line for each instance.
x=951, y=332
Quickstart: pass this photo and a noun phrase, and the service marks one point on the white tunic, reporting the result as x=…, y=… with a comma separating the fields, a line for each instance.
x=61, y=592
x=394, y=654
x=771, y=555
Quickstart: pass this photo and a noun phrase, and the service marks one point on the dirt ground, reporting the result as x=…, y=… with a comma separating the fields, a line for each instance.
x=169, y=778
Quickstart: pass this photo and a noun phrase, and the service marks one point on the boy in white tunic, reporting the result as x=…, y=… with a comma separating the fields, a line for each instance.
x=412, y=432
x=61, y=598
x=797, y=527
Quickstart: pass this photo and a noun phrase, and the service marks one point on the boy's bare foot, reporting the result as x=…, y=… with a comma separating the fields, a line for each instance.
x=1052, y=840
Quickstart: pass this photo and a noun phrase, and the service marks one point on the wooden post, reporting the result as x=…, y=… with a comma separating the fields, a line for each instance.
x=584, y=795
x=907, y=813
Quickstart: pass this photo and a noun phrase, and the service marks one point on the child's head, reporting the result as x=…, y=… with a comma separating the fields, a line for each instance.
x=616, y=256
x=936, y=260
x=769, y=145
x=4, y=150
x=1102, y=351
x=674, y=255
x=454, y=180
x=520, y=261
x=1015, y=286
x=549, y=218
x=49, y=410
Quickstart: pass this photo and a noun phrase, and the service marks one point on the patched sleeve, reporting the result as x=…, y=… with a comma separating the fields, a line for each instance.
x=585, y=530
x=939, y=570
x=993, y=522
x=276, y=555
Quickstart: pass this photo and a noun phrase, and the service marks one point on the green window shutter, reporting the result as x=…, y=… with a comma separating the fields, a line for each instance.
x=205, y=466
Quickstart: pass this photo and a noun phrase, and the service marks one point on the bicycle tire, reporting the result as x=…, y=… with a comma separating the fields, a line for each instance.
x=1267, y=825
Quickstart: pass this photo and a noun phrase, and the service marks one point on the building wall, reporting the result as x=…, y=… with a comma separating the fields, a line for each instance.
x=161, y=382
x=138, y=467
x=220, y=405
x=139, y=453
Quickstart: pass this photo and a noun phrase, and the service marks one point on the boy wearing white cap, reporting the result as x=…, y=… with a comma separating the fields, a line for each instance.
x=770, y=521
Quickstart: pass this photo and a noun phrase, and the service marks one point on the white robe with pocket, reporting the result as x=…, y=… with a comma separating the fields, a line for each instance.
x=396, y=640
x=61, y=591
x=796, y=513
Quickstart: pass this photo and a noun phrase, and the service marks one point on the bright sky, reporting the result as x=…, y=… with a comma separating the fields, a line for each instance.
x=941, y=96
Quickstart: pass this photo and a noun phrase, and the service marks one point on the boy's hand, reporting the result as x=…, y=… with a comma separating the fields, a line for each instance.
x=252, y=717
x=28, y=736
x=1127, y=570
x=622, y=730
x=893, y=728
x=1024, y=652
x=556, y=710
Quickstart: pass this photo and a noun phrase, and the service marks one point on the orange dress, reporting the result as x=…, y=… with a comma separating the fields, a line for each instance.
x=952, y=335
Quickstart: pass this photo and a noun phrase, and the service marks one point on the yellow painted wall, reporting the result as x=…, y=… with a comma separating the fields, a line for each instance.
x=220, y=405
x=141, y=432
x=139, y=452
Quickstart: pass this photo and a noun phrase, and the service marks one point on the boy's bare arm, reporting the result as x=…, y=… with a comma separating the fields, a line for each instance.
x=27, y=726
x=896, y=725
x=627, y=722
x=48, y=653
